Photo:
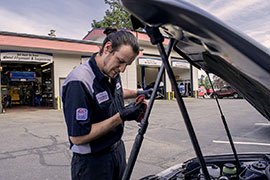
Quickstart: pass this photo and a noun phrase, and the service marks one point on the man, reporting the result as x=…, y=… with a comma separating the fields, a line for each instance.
x=94, y=109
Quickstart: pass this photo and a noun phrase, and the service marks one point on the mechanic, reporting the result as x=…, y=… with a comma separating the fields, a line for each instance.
x=93, y=103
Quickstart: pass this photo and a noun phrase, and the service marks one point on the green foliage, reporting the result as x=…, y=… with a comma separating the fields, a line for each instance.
x=115, y=16
x=217, y=82
x=207, y=84
x=204, y=81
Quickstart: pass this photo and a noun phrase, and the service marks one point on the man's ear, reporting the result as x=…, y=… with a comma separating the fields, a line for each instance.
x=107, y=47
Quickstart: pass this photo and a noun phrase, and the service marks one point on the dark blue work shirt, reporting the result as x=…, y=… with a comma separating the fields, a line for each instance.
x=88, y=97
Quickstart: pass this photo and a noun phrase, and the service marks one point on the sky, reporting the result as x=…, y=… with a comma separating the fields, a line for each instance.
x=72, y=18
x=251, y=17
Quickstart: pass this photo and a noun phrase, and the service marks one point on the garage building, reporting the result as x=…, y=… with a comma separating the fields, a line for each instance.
x=33, y=68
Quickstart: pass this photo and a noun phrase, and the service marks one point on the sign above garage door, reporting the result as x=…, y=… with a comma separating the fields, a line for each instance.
x=14, y=56
x=150, y=61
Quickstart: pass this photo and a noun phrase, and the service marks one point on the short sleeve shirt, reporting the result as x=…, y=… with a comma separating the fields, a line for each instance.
x=88, y=97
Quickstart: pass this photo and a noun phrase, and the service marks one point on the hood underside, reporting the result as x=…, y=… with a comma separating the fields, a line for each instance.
x=209, y=44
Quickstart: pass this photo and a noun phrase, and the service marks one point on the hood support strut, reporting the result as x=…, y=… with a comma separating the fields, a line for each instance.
x=226, y=127
x=144, y=124
x=157, y=39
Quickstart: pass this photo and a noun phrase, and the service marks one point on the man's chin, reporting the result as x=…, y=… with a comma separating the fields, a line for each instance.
x=112, y=75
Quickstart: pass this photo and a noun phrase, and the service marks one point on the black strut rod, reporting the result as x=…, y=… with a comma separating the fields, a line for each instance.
x=144, y=124
x=156, y=37
x=225, y=126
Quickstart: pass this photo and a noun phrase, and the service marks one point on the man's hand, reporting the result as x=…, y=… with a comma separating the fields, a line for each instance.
x=140, y=100
x=134, y=111
x=147, y=93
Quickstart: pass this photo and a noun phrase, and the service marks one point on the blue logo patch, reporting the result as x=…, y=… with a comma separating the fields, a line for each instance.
x=81, y=114
x=118, y=85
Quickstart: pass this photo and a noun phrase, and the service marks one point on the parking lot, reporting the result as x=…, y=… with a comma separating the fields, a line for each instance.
x=34, y=142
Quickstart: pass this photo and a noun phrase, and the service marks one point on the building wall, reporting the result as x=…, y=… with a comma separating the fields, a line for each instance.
x=181, y=74
x=129, y=77
x=195, y=79
x=63, y=65
x=70, y=54
x=168, y=83
x=184, y=74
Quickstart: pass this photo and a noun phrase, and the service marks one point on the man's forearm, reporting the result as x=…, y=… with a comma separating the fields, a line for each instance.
x=98, y=130
x=130, y=93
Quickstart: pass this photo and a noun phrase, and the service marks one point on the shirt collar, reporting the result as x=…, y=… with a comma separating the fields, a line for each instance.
x=92, y=62
x=100, y=76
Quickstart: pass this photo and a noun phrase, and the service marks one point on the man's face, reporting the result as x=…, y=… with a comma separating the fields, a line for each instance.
x=116, y=62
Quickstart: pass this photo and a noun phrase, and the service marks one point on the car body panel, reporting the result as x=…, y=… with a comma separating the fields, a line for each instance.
x=212, y=46
x=209, y=44
x=180, y=171
x=226, y=91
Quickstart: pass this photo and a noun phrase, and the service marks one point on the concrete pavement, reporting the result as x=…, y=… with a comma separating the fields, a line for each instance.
x=34, y=142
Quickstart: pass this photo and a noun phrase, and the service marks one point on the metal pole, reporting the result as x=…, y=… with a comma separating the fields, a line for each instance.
x=143, y=76
x=184, y=112
x=1, y=106
x=156, y=38
x=140, y=136
x=191, y=81
x=238, y=165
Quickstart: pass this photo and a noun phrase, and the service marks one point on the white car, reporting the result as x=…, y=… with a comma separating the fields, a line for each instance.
x=208, y=44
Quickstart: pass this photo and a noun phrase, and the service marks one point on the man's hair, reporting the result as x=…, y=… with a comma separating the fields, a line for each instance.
x=119, y=38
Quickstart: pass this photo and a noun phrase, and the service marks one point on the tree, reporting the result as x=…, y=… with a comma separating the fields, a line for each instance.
x=207, y=84
x=204, y=81
x=115, y=16
x=218, y=82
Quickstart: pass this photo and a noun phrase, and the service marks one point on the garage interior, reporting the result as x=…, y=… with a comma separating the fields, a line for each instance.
x=27, y=84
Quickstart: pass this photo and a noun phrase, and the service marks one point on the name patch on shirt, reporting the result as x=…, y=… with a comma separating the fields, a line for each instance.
x=118, y=85
x=102, y=97
x=81, y=114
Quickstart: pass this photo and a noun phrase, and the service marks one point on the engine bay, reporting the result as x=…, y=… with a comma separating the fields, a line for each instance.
x=252, y=167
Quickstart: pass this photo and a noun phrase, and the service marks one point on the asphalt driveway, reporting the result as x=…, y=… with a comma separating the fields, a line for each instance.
x=34, y=143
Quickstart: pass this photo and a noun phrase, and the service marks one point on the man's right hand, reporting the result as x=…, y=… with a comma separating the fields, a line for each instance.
x=147, y=93
x=133, y=111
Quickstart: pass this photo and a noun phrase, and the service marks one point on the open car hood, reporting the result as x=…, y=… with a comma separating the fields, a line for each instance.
x=209, y=44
